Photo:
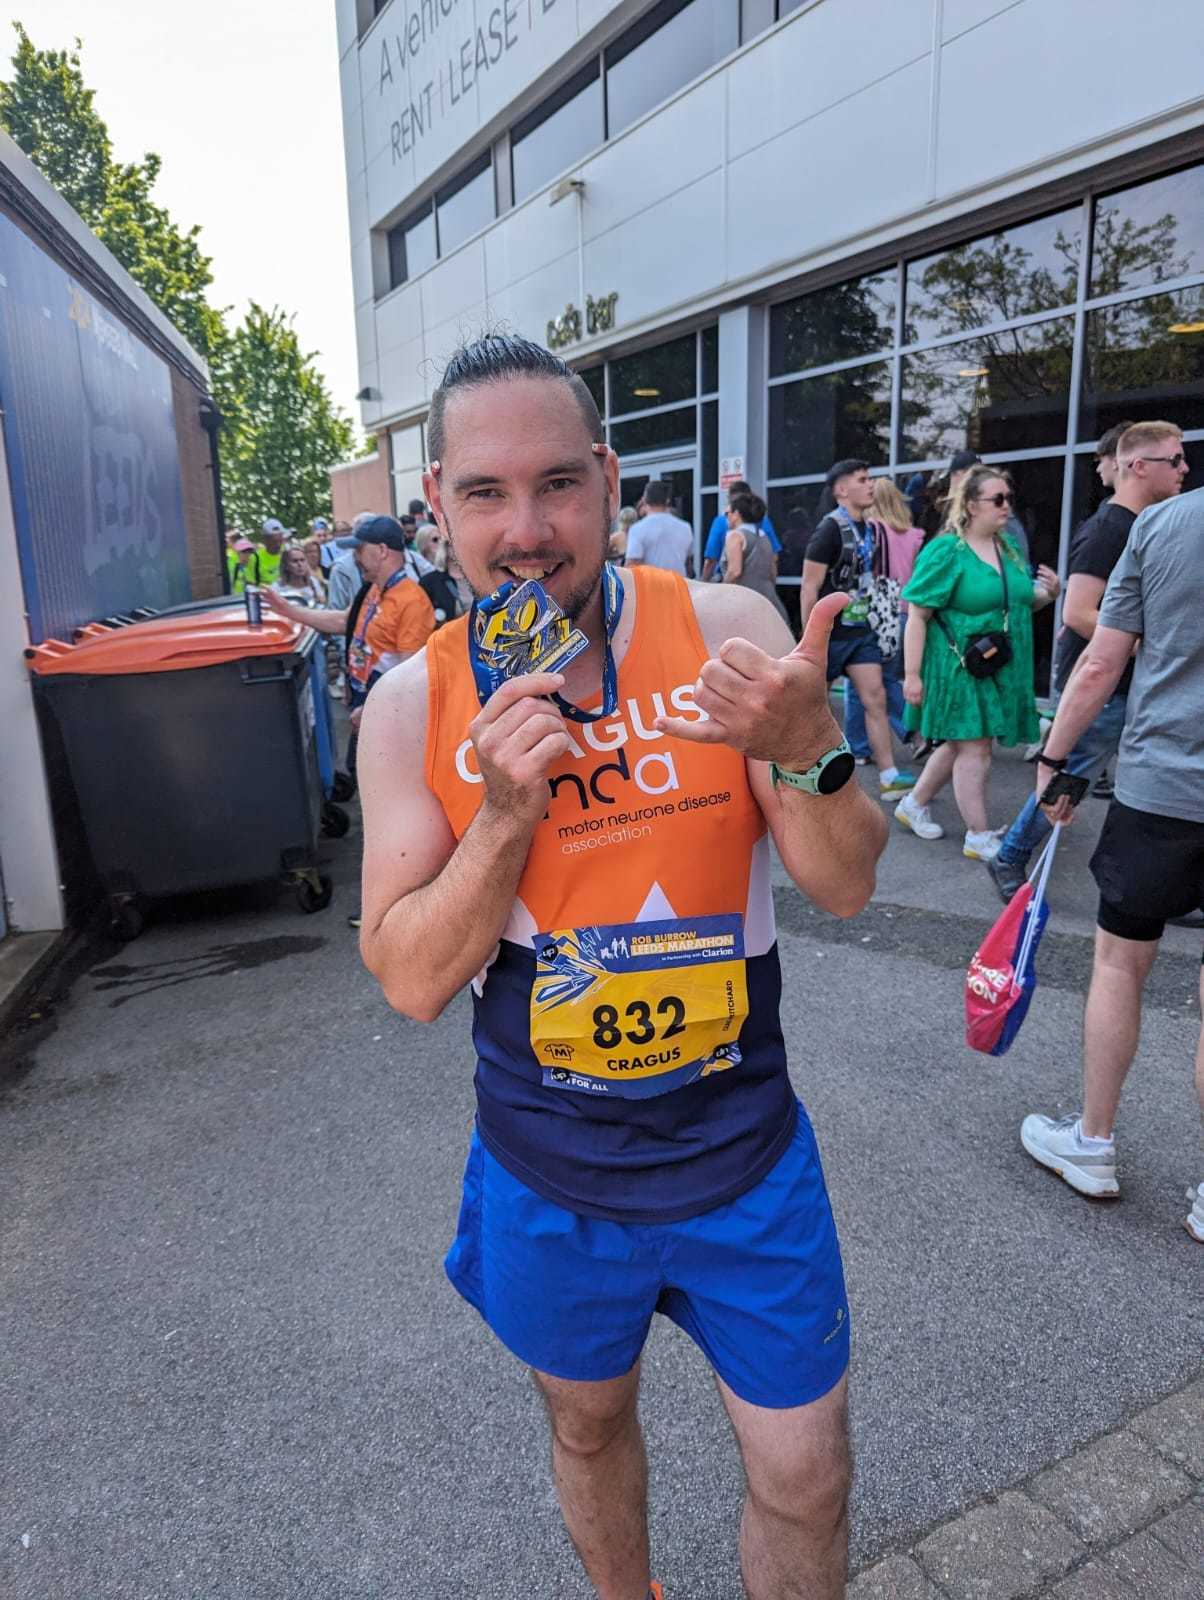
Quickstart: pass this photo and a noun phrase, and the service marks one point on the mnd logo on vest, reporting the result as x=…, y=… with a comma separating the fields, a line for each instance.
x=654, y=773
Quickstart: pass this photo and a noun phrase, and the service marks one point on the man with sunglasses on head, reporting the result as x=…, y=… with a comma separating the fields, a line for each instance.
x=1150, y=467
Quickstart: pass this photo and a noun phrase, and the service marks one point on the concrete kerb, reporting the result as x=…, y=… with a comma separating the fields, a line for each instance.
x=1088, y=1524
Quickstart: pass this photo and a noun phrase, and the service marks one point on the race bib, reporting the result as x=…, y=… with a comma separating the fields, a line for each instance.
x=858, y=609
x=640, y=1008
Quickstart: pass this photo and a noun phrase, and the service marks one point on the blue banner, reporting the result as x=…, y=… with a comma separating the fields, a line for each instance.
x=92, y=454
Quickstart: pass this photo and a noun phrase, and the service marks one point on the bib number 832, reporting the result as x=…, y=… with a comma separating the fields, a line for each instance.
x=608, y=1034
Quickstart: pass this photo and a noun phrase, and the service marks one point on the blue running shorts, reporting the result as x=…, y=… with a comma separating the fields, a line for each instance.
x=757, y=1283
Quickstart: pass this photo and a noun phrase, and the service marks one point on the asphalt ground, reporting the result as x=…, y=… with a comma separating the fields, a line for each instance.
x=230, y=1365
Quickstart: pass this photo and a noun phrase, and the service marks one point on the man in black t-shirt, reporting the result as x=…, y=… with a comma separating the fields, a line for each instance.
x=840, y=555
x=1150, y=468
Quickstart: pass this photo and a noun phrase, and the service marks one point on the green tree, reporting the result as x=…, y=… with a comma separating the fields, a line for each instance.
x=49, y=111
x=282, y=431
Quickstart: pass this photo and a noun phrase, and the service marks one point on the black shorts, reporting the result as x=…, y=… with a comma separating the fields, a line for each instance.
x=1148, y=869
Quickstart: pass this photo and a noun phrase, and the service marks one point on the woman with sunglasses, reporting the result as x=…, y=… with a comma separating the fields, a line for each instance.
x=968, y=654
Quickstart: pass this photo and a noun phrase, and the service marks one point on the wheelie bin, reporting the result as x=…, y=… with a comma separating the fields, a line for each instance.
x=192, y=747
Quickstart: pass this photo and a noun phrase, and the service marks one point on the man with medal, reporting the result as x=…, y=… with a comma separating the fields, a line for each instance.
x=568, y=799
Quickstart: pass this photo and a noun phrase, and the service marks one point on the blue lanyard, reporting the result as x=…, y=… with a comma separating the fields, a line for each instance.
x=864, y=540
x=489, y=678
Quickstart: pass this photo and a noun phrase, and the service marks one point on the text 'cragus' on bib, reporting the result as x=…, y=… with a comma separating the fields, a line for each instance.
x=640, y=1008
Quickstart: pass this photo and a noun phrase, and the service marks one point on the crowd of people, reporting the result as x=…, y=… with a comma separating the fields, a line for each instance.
x=598, y=1156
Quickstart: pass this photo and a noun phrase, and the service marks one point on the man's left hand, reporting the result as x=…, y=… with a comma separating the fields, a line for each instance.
x=768, y=708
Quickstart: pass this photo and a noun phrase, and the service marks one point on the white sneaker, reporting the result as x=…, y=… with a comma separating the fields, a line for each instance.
x=918, y=819
x=1194, y=1221
x=981, y=846
x=1057, y=1145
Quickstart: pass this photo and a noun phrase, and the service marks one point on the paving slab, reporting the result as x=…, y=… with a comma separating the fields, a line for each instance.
x=896, y=1578
x=1111, y=1489
x=1176, y=1428
x=1153, y=1572
x=1183, y=1532
x=1000, y=1551
x=1095, y=1581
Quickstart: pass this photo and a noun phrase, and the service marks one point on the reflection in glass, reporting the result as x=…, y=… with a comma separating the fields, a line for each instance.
x=657, y=57
x=595, y=381
x=567, y=126
x=781, y=502
x=710, y=359
x=1039, y=509
x=1144, y=359
x=1149, y=234
x=466, y=208
x=1008, y=391
x=659, y=432
x=412, y=246
x=1013, y=273
x=654, y=377
x=708, y=510
x=710, y=441
x=817, y=421
x=833, y=324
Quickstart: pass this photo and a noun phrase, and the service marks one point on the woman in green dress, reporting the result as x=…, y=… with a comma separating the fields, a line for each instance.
x=959, y=580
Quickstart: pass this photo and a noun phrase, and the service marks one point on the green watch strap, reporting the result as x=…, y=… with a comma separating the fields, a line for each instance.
x=831, y=772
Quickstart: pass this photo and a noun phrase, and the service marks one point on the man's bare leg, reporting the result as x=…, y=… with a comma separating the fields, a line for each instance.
x=1112, y=1025
x=601, y=1475
x=867, y=675
x=794, y=1534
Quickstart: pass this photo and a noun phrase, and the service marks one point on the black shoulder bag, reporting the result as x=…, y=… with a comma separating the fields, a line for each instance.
x=986, y=653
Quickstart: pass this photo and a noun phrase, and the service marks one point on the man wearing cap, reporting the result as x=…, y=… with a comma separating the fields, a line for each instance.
x=395, y=619
x=321, y=530
x=271, y=549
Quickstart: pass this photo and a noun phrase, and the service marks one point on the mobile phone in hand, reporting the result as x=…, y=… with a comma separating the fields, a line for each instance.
x=1064, y=785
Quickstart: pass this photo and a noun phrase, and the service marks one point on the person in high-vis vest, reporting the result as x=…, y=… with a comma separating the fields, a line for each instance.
x=590, y=850
x=244, y=566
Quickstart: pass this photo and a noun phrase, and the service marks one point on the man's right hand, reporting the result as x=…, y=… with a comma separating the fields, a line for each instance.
x=517, y=736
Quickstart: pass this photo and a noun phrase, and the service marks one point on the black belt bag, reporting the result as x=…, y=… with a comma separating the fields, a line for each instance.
x=986, y=653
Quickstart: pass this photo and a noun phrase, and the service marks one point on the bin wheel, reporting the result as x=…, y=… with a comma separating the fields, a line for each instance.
x=342, y=788
x=335, y=821
x=126, y=919
x=311, y=899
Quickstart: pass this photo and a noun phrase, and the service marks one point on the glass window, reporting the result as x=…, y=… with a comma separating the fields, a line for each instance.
x=817, y=421
x=673, y=44
x=1007, y=391
x=1144, y=359
x=659, y=432
x=594, y=379
x=653, y=377
x=412, y=246
x=1012, y=273
x=708, y=510
x=1039, y=513
x=1149, y=234
x=564, y=128
x=466, y=206
x=710, y=360
x=834, y=324
x=710, y=441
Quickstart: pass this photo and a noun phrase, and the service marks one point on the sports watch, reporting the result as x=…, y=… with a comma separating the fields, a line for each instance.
x=831, y=772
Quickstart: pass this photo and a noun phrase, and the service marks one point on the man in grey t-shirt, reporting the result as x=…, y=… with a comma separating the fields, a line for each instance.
x=660, y=539
x=1149, y=863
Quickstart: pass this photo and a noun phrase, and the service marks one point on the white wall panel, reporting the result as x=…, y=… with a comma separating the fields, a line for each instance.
x=591, y=12
x=662, y=259
x=822, y=58
x=406, y=377
x=528, y=239
x=362, y=286
x=960, y=15
x=346, y=19
x=399, y=317
x=833, y=177
x=455, y=285
x=526, y=306
x=666, y=154
x=1059, y=108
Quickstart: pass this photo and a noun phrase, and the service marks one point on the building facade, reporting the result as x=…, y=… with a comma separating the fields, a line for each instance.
x=774, y=234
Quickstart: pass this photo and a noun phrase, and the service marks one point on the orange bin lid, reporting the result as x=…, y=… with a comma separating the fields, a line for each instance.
x=169, y=644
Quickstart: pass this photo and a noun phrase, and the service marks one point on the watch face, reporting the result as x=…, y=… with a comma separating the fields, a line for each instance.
x=837, y=773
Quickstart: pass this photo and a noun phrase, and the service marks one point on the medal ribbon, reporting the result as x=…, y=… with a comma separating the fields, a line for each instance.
x=489, y=677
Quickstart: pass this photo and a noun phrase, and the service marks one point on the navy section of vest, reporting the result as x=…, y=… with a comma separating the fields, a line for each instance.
x=661, y=1159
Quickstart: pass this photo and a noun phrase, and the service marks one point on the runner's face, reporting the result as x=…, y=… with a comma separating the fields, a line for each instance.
x=858, y=491
x=521, y=493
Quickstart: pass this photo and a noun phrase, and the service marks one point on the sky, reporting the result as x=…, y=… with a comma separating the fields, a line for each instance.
x=241, y=100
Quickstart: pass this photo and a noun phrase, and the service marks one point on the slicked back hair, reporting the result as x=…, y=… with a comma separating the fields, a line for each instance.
x=496, y=358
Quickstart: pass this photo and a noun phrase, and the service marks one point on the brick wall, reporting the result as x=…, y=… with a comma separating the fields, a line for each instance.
x=196, y=482
x=362, y=485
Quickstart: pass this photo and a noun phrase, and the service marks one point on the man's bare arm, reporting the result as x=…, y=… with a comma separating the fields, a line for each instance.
x=814, y=573
x=829, y=844
x=1080, y=609
x=433, y=910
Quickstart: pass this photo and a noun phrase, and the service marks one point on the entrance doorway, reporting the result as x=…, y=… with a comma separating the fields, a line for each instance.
x=680, y=473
